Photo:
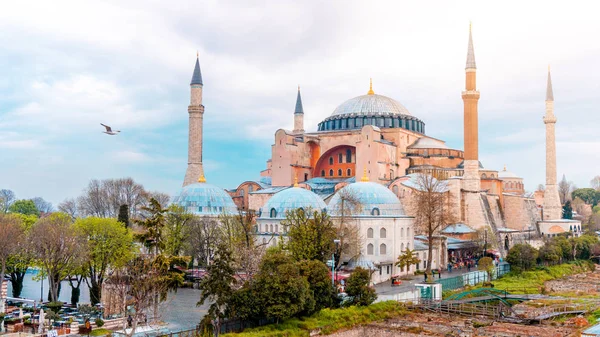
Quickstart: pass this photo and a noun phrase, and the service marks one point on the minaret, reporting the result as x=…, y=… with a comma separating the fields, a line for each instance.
x=298, y=115
x=471, y=179
x=195, y=171
x=552, y=208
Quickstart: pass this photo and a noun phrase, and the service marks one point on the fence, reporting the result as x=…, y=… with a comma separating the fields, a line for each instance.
x=473, y=278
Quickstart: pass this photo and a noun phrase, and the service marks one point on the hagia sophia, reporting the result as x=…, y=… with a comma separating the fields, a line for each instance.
x=375, y=148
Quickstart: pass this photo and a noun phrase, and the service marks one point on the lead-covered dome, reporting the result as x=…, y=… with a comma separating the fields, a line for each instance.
x=371, y=109
x=374, y=199
x=291, y=199
x=205, y=199
x=371, y=105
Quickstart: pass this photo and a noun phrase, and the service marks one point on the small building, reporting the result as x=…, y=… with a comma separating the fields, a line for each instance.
x=460, y=231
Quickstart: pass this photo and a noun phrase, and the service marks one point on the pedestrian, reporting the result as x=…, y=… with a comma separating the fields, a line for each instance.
x=469, y=266
x=425, y=276
x=440, y=273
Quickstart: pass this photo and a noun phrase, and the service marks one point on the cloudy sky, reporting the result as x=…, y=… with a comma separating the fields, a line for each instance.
x=66, y=66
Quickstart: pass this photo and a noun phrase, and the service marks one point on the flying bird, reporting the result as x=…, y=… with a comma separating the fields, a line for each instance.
x=109, y=130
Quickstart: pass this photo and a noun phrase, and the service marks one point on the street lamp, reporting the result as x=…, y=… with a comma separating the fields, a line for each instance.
x=336, y=241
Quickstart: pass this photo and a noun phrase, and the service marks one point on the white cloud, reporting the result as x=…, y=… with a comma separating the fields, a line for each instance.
x=130, y=156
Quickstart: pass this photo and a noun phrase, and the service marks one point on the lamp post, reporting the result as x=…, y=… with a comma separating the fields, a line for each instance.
x=336, y=241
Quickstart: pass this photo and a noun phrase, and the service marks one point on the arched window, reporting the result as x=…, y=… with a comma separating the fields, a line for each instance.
x=348, y=156
x=331, y=173
x=402, y=247
x=276, y=228
x=349, y=172
x=382, y=233
x=241, y=193
x=408, y=245
x=274, y=241
x=370, y=233
x=273, y=213
x=395, y=189
x=322, y=173
x=339, y=172
x=340, y=158
x=492, y=176
x=370, y=249
x=264, y=240
x=375, y=211
x=401, y=232
x=250, y=188
x=330, y=160
x=271, y=228
x=391, y=174
x=382, y=249
x=483, y=176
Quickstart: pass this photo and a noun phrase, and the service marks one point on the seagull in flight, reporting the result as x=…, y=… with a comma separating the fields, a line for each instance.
x=109, y=130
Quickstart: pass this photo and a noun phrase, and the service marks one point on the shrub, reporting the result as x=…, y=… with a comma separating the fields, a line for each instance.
x=358, y=288
x=99, y=322
x=522, y=256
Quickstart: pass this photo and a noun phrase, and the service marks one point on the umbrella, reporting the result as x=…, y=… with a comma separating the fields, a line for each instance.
x=41, y=324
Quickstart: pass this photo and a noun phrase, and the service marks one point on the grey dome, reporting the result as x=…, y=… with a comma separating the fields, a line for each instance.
x=371, y=105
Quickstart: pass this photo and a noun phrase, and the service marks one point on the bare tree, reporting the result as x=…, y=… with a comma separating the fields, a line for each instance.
x=202, y=236
x=69, y=206
x=565, y=188
x=11, y=237
x=94, y=201
x=42, y=205
x=541, y=187
x=431, y=202
x=162, y=198
x=57, y=248
x=237, y=233
x=595, y=183
x=103, y=198
x=347, y=229
x=7, y=197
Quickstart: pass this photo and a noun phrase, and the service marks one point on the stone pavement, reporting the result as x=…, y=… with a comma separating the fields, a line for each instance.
x=386, y=288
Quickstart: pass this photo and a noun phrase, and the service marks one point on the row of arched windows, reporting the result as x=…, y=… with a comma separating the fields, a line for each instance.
x=383, y=233
x=382, y=249
x=271, y=228
x=339, y=172
x=513, y=185
x=383, y=122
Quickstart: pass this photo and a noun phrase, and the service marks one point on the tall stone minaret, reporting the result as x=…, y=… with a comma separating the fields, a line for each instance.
x=298, y=115
x=552, y=208
x=195, y=171
x=471, y=179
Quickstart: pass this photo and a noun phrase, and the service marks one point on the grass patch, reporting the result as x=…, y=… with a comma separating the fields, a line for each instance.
x=327, y=320
x=100, y=332
x=532, y=282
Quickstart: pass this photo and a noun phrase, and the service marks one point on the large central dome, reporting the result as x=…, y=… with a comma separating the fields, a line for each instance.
x=371, y=109
x=369, y=105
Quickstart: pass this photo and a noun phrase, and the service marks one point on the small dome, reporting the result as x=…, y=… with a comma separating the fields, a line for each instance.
x=375, y=199
x=371, y=105
x=291, y=199
x=205, y=199
x=504, y=174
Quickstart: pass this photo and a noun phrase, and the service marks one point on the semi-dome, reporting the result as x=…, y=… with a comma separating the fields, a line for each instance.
x=205, y=199
x=374, y=199
x=371, y=109
x=291, y=199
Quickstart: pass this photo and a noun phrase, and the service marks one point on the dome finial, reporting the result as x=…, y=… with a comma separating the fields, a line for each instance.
x=371, y=92
x=202, y=179
x=364, y=178
x=295, y=181
x=504, y=167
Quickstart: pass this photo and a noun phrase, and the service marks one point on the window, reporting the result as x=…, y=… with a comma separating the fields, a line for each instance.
x=402, y=247
x=370, y=233
x=388, y=269
x=330, y=160
x=349, y=172
x=264, y=240
x=484, y=176
x=331, y=173
x=391, y=174
x=380, y=270
x=273, y=213
x=305, y=176
x=241, y=193
x=370, y=249
x=395, y=189
x=348, y=156
x=339, y=172
x=402, y=232
x=250, y=188
x=322, y=173
x=271, y=228
x=382, y=233
x=276, y=228
x=382, y=249
x=375, y=211
x=340, y=158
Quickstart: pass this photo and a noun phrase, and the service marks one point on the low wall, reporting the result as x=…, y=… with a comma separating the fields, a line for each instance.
x=410, y=295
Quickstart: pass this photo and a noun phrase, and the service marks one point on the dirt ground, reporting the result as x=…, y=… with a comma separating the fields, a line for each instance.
x=578, y=284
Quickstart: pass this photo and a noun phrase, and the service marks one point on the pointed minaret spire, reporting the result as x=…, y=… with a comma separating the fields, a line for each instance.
x=298, y=115
x=549, y=92
x=371, y=92
x=197, y=76
x=299, y=108
x=470, y=52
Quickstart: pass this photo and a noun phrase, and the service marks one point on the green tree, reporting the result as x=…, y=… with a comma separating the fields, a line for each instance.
x=57, y=248
x=176, y=221
x=357, y=287
x=12, y=237
x=486, y=264
x=124, y=215
x=565, y=247
x=321, y=290
x=567, y=210
x=522, y=257
x=282, y=292
x=23, y=206
x=583, y=246
x=153, y=237
x=217, y=286
x=407, y=259
x=110, y=245
x=310, y=235
x=19, y=262
x=589, y=195
x=550, y=253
